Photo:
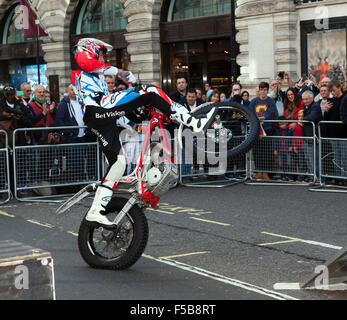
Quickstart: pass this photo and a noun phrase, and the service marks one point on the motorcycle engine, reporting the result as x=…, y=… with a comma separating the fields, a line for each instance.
x=153, y=176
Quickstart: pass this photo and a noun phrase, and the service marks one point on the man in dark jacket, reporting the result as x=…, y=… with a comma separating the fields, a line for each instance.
x=339, y=131
x=191, y=100
x=181, y=89
x=343, y=108
x=69, y=114
x=14, y=115
x=312, y=113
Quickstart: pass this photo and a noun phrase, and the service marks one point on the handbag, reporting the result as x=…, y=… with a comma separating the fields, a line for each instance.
x=5, y=125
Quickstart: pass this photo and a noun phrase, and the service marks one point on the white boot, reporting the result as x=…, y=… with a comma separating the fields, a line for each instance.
x=181, y=114
x=104, y=193
x=102, y=197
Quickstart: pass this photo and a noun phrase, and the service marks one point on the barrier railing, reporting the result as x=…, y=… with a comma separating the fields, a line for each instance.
x=200, y=171
x=45, y=167
x=5, y=183
x=332, y=159
x=285, y=159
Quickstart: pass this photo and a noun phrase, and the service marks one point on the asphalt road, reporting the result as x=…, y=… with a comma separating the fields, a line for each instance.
x=205, y=244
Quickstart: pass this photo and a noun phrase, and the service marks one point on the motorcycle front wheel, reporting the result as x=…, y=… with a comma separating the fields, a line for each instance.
x=101, y=248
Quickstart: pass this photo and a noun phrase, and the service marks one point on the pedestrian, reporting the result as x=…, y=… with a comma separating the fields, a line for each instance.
x=42, y=114
x=298, y=149
x=110, y=82
x=181, y=89
x=336, y=131
x=313, y=114
x=265, y=109
x=282, y=148
x=14, y=115
x=293, y=104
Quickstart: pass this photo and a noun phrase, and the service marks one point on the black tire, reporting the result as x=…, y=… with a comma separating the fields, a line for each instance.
x=250, y=119
x=126, y=258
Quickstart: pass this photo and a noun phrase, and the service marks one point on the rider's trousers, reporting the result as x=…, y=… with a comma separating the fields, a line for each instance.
x=102, y=121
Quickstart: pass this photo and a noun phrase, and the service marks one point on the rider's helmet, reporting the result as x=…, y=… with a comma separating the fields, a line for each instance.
x=87, y=50
x=92, y=47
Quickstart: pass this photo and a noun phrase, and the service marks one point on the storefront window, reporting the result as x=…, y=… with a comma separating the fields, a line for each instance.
x=183, y=9
x=20, y=73
x=101, y=16
x=201, y=62
x=324, y=52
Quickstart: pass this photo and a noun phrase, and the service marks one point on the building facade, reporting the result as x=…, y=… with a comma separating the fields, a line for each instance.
x=159, y=39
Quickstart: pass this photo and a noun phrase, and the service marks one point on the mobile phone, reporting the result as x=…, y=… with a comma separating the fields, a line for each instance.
x=20, y=93
x=331, y=100
x=281, y=74
x=304, y=77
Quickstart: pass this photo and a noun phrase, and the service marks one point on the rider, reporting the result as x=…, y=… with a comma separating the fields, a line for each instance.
x=101, y=109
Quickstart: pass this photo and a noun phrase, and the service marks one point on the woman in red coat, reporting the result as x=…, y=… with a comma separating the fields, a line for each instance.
x=292, y=105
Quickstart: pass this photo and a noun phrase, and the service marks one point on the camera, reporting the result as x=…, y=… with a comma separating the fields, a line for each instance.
x=281, y=74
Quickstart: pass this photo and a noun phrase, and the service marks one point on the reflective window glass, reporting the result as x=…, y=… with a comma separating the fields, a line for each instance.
x=101, y=16
x=187, y=9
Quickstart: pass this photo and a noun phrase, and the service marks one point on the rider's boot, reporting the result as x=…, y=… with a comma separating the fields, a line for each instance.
x=196, y=123
x=104, y=194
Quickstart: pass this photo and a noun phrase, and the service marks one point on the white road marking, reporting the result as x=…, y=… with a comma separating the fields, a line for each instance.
x=291, y=239
x=322, y=244
x=287, y=286
x=185, y=255
x=221, y=278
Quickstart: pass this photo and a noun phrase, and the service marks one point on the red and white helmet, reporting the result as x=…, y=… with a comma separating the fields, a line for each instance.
x=87, y=52
x=92, y=47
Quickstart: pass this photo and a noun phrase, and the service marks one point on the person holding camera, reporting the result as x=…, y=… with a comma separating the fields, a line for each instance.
x=14, y=115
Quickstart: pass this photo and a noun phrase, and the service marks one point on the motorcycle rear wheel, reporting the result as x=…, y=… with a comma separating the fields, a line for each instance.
x=235, y=146
x=108, y=250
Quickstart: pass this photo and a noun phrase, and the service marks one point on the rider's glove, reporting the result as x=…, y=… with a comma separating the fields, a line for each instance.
x=127, y=77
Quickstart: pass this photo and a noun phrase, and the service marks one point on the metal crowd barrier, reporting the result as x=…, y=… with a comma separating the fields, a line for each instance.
x=5, y=183
x=197, y=170
x=332, y=160
x=45, y=168
x=294, y=162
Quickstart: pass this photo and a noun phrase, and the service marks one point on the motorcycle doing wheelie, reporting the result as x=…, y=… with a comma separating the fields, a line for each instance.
x=155, y=174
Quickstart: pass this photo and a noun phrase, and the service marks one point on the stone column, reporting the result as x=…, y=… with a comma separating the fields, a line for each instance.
x=56, y=46
x=143, y=37
x=267, y=37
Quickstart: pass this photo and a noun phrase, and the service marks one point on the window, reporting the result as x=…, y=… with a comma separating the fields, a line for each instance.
x=183, y=9
x=200, y=62
x=324, y=52
x=13, y=29
x=100, y=16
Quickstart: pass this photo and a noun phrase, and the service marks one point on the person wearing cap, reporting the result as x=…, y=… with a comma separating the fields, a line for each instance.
x=13, y=115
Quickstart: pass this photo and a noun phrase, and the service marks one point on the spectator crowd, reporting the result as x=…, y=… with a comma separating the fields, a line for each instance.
x=289, y=152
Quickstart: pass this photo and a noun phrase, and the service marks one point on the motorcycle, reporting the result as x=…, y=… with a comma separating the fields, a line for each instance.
x=155, y=174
